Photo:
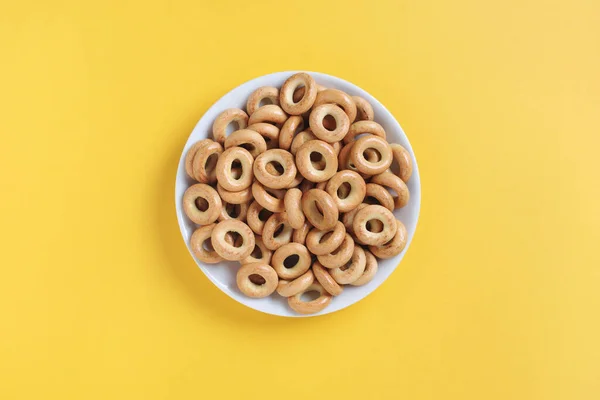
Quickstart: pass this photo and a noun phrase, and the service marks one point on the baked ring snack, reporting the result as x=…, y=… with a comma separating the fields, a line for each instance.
x=293, y=207
x=377, y=194
x=347, y=189
x=371, y=237
x=249, y=140
x=277, y=231
x=341, y=99
x=324, y=242
x=202, y=204
x=319, y=209
x=270, y=113
x=364, y=127
x=224, y=119
x=300, y=139
x=340, y=256
x=257, y=280
x=364, y=110
x=290, y=127
x=359, y=159
x=259, y=254
x=310, y=307
x=234, y=211
x=348, y=218
x=349, y=273
x=291, y=260
x=402, y=158
x=394, y=246
x=225, y=175
x=299, y=92
x=344, y=161
x=286, y=94
x=268, y=131
x=191, y=153
x=205, y=162
x=369, y=271
x=308, y=168
x=243, y=196
x=392, y=181
x=298, y=285
x=264, y=93
x=342, y=123
x=299, y=235
x=271, y=199
x=256, y=217
x=228, y=251
x=197, y=244
x=278, y=157
x=326, y=280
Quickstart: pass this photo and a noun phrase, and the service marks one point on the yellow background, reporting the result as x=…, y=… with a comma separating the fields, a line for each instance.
x=498, y=297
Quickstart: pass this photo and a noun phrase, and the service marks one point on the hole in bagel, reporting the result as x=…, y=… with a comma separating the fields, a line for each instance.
x=329, y=123
x=291, y=261
x=319, y=165
x=257, y=252
x=236, y=239
x=275, y=168
x=310, y=295
x=248, y=146
x=232, y=127
x=298, y=93
x=264, y=214
x=201, y=204
x=374, y=225
x=344, y=190
x=372, y=155
x=388, y=242
x=325, y=237
x=337, y=251
x=274, y=193
x=270, y=142
x=299, y=129
x=257, y=279
x=395, y=167
x=236, y=169
x=319, y=209
x=346, y=266
x=229, y=239
x=371, y=200
x=211, y=162
x=233, y=210
x=278, y=230
x=207, y=245
x=317, y=161
x=265, y=101
x=315, y=157
x=236, y=173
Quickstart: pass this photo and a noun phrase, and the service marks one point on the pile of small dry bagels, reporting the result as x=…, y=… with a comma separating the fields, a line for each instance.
x=299, y=194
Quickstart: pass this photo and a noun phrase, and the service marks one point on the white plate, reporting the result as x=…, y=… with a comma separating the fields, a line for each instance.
x=223, y=274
